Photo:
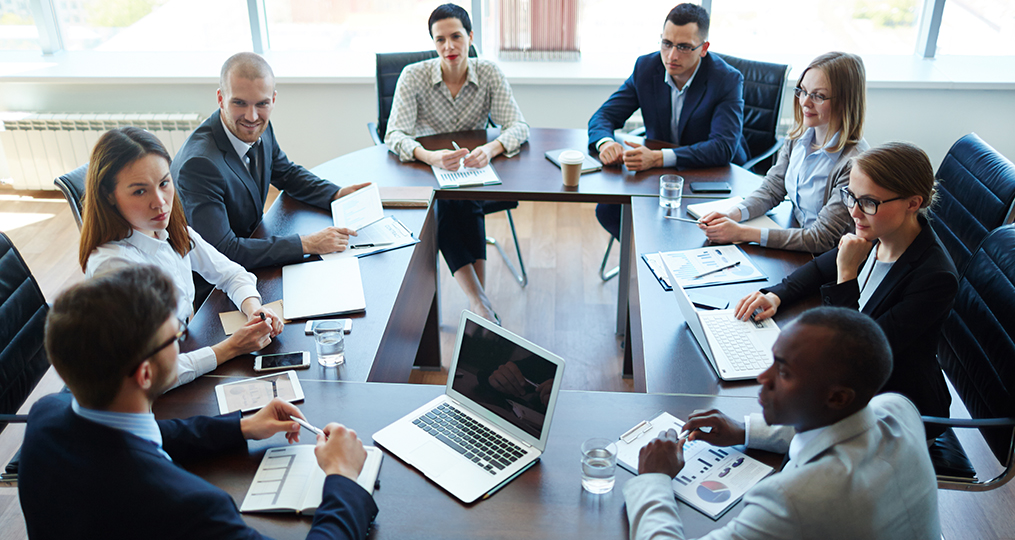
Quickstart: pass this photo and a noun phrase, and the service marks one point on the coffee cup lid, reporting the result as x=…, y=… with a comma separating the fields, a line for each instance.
x=571, y=157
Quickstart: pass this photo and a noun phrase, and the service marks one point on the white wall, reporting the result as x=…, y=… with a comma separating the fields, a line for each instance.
x=319, y=121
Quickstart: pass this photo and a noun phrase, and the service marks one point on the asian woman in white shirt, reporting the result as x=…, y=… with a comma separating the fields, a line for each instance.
x=132, y=216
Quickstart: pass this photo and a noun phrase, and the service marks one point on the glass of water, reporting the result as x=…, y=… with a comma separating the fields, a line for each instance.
x=599, y=465
x=330, y=339
x=671, y=188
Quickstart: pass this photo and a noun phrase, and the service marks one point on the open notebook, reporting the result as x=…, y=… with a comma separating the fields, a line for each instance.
x=290, y=480
x=723, y=205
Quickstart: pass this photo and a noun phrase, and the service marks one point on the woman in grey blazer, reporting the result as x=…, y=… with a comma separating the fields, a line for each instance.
x=811, y=167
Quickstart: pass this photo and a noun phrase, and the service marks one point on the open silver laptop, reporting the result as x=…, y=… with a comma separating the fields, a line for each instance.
x=493, y=420
x=737, y=350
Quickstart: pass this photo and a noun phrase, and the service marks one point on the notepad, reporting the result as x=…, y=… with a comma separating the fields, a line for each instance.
x=466, y=177
x=357, y=209
x=589, y=164
x=406, y=196
x=290, y=480
x=725, y=205
x=234, y=320
x=326, y=287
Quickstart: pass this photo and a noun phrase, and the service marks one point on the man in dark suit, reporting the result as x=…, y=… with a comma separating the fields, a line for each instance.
x=224, y=168
x=98, y=465
x=687, y=97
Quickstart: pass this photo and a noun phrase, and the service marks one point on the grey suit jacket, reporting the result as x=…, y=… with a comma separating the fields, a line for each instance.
x=833, y=218
x=224, y=204
x=869, y=476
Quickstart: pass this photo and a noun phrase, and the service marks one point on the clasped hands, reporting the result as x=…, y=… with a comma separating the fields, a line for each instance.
x=637, y=158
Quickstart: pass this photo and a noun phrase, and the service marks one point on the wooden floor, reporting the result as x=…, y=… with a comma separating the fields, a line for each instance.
x=565, y=308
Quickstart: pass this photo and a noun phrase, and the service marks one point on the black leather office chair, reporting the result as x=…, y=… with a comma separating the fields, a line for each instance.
x=977, y=352
x=976, y=194
x=23, y=359
x=72, y=185
x=389, y=67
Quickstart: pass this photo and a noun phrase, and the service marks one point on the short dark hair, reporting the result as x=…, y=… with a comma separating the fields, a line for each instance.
x=687, y=14
x=449, y=11
x=98, y=330
x=859, y=352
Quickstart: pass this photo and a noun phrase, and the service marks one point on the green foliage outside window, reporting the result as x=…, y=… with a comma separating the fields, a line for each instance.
x=118, y=13
x=887, y=13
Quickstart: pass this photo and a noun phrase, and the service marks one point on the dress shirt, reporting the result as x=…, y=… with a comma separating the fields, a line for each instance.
x=871, y=275
x=241, y=147
x=204, y=259
x=423, y=106
x=141, y=425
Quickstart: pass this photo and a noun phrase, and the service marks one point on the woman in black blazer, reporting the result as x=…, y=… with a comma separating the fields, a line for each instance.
x=893, y=268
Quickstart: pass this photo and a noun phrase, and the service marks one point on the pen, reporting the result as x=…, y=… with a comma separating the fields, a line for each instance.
x=262, y=316
x=358, y=246
x=717, y=270
x=307, y=425
x=453, y=143
x=683, y=219
x=461, y=162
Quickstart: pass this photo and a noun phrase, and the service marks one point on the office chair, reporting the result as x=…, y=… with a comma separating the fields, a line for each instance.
x=977, y=352
x=764, y=85
x=23, y=361
x=389, y=67
x=72, y=185
x=976, y=194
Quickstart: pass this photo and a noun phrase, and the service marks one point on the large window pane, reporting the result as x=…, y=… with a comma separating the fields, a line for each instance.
x=154, y=25
x=615, y=27
x=978, y=27
x=17, y=28
x=356, y=26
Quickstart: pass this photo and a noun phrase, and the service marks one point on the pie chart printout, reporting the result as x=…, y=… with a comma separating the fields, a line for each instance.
x=713, y=492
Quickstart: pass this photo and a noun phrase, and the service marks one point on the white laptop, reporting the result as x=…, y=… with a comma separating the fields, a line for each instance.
x=737, y=350
x=493, y=420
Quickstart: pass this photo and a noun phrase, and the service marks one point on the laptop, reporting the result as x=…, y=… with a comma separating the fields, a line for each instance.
x=738, y=350
x=493, y=420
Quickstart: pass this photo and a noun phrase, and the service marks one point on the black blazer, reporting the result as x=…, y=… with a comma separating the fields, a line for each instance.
x=224, y=204
x=910, y=305
x=79, y=479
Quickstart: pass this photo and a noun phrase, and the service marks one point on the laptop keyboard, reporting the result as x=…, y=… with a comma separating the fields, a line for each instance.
x=734, y=339
x=476, y=442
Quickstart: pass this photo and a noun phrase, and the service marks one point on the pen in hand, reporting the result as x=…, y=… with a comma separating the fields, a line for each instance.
x=307, y=425
x=461, y=162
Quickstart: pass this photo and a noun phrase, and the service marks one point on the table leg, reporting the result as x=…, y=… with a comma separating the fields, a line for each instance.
x=626, y=250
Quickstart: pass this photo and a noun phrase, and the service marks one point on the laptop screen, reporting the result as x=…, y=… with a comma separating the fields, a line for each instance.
x=505, y=378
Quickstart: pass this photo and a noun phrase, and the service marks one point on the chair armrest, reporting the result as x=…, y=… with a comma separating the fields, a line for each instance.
x=13, y=418
x=968, y=423
x=766, y=154
x=372, y=128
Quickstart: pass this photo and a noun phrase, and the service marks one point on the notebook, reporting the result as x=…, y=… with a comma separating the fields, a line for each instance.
x=290, y=480
x=589, y=164
x=723, y=205
x=492, y=422
x=325, y=287
x=738, y=350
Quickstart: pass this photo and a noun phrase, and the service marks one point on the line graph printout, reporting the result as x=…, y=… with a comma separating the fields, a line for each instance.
x=466, y=177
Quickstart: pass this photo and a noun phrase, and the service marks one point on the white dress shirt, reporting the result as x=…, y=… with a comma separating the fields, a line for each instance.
x=241, y=147
x=204, y=259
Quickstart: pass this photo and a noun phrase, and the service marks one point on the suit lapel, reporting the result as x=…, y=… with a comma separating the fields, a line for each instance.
x=694, y=94
x=901, y=268
x=663, y=103
x=235, y=164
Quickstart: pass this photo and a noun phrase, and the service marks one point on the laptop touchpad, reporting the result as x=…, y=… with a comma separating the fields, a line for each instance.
x=433, y=458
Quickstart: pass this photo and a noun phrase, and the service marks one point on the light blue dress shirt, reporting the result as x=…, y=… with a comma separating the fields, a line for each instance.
x=141, y=425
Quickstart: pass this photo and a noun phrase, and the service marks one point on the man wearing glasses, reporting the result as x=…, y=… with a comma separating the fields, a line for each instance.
x=687, y=97
x=96, y=464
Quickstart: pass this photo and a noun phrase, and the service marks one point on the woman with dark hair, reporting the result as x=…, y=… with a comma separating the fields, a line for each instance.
x=829, y=110
x=132, y=216
x=893, y=268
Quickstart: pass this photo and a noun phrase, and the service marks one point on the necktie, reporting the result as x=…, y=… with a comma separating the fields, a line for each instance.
x=253, y=154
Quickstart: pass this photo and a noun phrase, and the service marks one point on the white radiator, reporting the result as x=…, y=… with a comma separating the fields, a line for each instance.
x=40, y=147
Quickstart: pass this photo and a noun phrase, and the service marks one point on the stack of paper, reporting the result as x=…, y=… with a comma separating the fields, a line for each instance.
x=326, y=287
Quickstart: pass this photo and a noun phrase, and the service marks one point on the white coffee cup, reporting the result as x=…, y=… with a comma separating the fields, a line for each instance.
x=571, y=166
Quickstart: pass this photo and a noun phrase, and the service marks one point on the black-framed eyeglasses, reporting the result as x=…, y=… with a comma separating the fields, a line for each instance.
x=868, y=205
x=682, y=48
x=179, y=336
x=818, y=99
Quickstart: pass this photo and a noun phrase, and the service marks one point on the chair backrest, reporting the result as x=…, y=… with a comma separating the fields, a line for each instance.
x=976, y=192
x=389, y=67
x=72, y=185
x=977, y=347
x=23, y=311
x=764, y=85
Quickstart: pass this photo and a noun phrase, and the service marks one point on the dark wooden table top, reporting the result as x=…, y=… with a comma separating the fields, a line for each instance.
x=546, y=501
x=673, y=362
x=527, y=176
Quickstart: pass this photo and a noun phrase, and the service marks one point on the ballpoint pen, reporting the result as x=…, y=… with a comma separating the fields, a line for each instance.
x=717, y=270
x=683, y=219
x=307, y=425
x=378, y=244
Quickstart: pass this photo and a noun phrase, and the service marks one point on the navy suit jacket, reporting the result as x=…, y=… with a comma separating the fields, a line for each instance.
x=711, y=121
x=224, y=204
x=910, y=305
x=79, y=479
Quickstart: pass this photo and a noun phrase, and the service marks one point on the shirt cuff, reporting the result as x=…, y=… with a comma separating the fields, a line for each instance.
x=764, y=237
x=745, y=214
x=242, y=293
x=192, y=365
x=669, y=158
x=602, y=141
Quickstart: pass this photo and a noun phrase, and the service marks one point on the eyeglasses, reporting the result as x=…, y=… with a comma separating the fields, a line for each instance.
x=868, y=205
x=682, y=48
x=179, y=336
x=818, y=99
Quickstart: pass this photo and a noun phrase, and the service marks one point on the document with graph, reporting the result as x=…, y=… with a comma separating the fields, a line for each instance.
x=701, y=267
x=466, y=177
x=713, y=478
x=290, y=480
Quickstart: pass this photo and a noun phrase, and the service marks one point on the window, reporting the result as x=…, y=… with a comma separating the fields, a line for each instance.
x=977, y=27
x=17, y=27
x=612, y=27
x=154, y=25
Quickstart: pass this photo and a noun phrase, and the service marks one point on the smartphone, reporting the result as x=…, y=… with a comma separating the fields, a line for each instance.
x=309, y=328
x=705, y=301
x=710, y=187
x=275, y=362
